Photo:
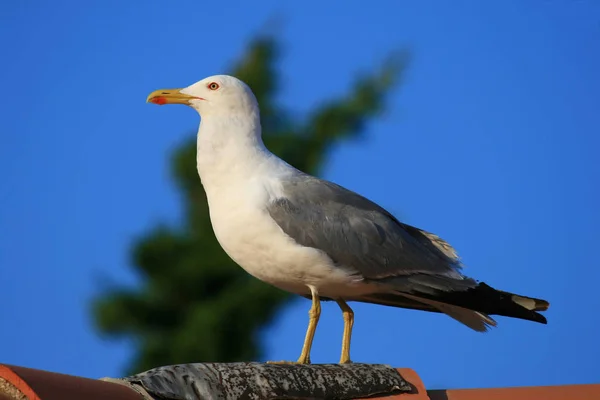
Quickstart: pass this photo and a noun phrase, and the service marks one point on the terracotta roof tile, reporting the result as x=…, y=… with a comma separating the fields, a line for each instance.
x=36, y=384
x=562, y=392
x=20, y=383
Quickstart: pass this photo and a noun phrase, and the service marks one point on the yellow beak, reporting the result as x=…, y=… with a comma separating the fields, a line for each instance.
x=169, y=96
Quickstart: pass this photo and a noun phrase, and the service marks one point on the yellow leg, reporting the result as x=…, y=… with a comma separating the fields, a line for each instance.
x=313, y=314
x=313, y=319
x=348, y=315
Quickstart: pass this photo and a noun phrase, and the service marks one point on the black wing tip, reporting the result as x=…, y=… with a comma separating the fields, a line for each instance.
x=541, y=319
x=515, y=305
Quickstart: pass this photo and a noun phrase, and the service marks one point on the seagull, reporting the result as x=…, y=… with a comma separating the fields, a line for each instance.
x=317, y=239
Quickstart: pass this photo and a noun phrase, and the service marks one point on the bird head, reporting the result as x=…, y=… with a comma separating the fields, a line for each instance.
x=218, y=94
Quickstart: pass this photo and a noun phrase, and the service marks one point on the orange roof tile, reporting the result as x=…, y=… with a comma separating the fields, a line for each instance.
x=36, y=384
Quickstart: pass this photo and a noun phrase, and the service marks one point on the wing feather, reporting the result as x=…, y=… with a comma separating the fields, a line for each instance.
x=357, y=233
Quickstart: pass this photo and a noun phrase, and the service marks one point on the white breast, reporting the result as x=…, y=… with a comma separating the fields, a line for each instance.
x=253, y=240
x=240, y=181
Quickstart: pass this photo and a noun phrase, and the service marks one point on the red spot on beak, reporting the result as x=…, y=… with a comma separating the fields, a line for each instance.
x=159, y=100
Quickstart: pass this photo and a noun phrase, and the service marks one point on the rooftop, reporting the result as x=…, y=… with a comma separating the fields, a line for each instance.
x=21, y=383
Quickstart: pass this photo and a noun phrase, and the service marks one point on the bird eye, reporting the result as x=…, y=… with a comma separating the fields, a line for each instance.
x=213, y=86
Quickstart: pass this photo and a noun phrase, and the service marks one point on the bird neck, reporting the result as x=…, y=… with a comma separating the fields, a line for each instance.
x=228, y=149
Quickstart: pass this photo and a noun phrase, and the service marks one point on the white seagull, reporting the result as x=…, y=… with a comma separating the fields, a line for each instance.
x=319, y=240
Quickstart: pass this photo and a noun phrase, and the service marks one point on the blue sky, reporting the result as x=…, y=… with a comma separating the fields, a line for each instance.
x=492, y=143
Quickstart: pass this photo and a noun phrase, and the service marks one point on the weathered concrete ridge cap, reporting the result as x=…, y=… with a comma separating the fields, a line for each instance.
x=257, y=381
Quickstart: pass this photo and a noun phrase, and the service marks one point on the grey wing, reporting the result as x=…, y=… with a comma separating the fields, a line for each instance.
x=360, y=235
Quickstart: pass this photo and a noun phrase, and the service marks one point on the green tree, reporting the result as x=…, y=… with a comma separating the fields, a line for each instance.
x=194, y=304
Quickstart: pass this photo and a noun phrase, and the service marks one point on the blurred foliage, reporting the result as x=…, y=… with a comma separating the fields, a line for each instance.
x=194, y=303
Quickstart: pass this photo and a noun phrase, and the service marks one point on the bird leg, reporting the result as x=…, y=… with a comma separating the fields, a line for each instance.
x=348, y=315
x=313, y=318
x=313, y=314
